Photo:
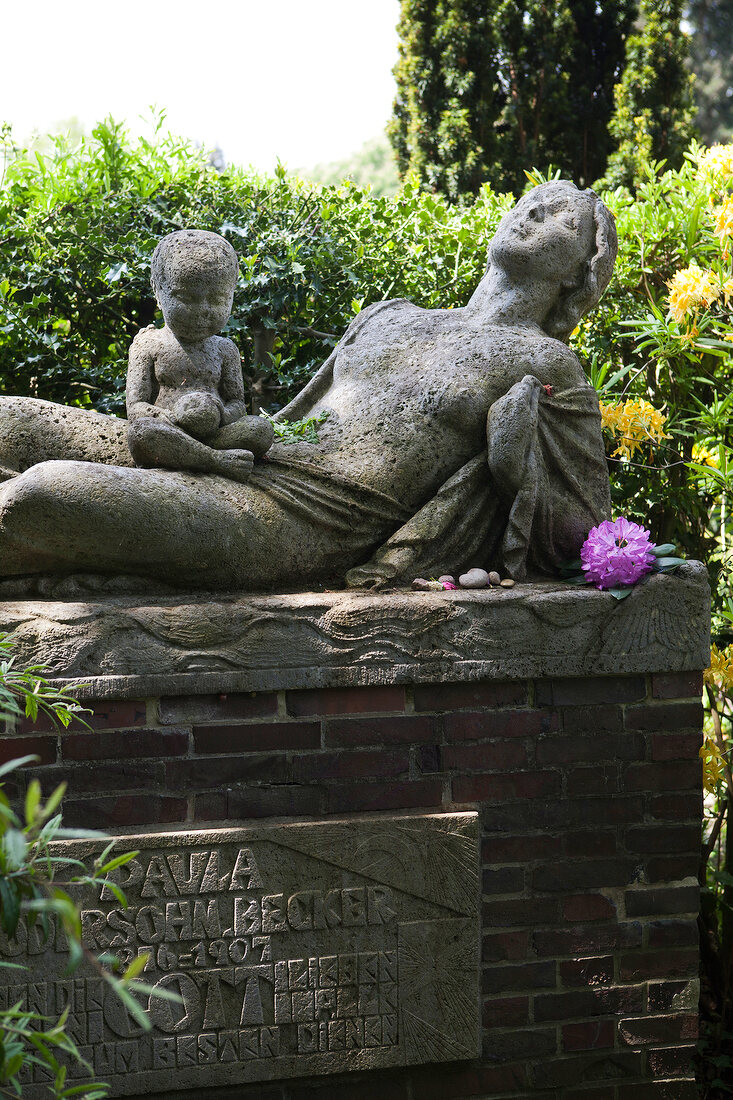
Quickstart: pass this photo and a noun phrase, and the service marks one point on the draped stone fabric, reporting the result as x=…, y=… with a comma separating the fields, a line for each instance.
x=519, y=506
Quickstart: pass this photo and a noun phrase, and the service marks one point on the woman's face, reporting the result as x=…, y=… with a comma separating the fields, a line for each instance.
x=550, y=234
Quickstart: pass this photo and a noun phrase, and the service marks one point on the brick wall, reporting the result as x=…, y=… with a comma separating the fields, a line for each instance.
x=590, y=803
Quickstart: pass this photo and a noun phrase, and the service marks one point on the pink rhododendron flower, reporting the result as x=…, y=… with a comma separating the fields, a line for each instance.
x=618, y=552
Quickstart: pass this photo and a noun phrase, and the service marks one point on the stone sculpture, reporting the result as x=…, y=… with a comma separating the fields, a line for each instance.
x=454, y=437
x=185, y=395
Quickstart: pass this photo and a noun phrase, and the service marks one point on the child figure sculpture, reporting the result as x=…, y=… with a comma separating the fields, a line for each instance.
x=185, y=394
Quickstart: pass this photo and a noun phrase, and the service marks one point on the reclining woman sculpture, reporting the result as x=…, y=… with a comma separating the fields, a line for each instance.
x=454, y=437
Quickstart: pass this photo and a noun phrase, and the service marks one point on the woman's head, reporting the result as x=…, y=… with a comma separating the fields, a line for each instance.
x=557, y=233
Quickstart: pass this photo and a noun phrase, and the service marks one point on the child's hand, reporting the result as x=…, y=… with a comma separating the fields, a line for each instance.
x=197, y=413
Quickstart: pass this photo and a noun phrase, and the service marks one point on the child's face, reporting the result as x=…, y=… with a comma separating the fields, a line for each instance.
x=196, y=304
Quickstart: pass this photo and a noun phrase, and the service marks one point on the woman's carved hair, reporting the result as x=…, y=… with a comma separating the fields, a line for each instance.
x=582, y=292
x=188, y=250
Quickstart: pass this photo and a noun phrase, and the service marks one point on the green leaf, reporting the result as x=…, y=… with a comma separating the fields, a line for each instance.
x=136, y=967
x=664, y=549
x=9, y=906
x=665, y=563
x=11, y=765
x=620, y=593
x=16, y=848
x=32, y=801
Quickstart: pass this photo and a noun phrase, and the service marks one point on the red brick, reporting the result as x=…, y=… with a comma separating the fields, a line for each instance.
x=503, y=880
x=125, y=744
x=476, y=788
x=404, y=795
x=677, y=685
x=673, y=933
x=520, y=913
x=681, y=806
x=662, y=900
x=590, y=690
x=586, y=941
x=478, y=726
x=676, y=746
x=284, y=800
x=664, y=716
x=663, y=838
x=584, y=1070
x=400, y=728
x=513, y=1043
x=487, y=695
x=676, y=1061
x=520, y=849
x=668, y=996
x=99, y=779
x=210, y=806
x=585, y=972
x=115, y=715
x=672, y=868
x=670, y=775
x=641, y=965
x=223, y=771
x=592, y=720
x=583, y=874
x=130, y=809
x=257, y=737
x=519, y=976
x=552, y=814
x=428, y=758
x=658, y=1030
x=505, y=947
x=177, y=710
x=593, y=1035
x=579, y=748
x=505, y=1012
x=588, y=907
x=439, y=1083
x=360, y=764
x=595, y=779
x=359, y=700
x=584, y=1003
x=488, y=756
x=595, y=842
x=12, y=748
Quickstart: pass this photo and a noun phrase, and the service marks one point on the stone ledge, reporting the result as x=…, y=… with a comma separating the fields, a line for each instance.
x=134, y=647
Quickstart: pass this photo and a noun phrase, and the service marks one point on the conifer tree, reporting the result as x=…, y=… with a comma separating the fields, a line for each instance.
x=711, y=60
x=653, y=117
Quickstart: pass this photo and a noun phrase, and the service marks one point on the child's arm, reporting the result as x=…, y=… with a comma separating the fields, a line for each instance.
x=142, y=388
x=231, y=384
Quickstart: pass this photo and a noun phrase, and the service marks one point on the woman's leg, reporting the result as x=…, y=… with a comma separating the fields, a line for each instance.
x=34, y=431
x=86, y=517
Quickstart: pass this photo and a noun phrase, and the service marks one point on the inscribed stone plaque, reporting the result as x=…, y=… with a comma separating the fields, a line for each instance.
x=297, y=949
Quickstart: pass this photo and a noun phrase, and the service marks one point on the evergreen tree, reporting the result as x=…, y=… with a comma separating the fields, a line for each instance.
x=489, y=88
x=711, y=60
x=654, y=111
x=443, y=122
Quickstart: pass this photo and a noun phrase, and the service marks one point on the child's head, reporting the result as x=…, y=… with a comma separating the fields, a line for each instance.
x=193, y=274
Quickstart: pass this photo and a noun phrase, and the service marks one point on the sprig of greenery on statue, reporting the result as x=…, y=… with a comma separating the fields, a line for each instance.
x=35, y=880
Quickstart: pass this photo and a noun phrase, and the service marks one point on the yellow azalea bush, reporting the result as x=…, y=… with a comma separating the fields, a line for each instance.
x=633, y=423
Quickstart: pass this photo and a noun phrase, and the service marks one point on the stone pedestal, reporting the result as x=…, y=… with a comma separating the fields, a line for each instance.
x=565, y=724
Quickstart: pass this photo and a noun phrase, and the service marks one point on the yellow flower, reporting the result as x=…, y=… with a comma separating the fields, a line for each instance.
x=717, y=161
x=705, y=457
x=720, y=673
x=712, y=764
x=690, y=288
x=724, y=220
x=635, y=423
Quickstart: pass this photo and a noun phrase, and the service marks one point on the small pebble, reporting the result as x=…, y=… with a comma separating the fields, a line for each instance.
x=474, y=578
x=420, y=584
x=494, y=578
x=507, y=583
x=447, y=579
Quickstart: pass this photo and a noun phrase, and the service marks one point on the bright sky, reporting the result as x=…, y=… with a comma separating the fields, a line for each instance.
x=306, y=80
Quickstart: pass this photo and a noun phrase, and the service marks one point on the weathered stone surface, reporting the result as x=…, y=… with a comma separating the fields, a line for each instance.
x=298, y=949
x=454, y=438
x=165, y=645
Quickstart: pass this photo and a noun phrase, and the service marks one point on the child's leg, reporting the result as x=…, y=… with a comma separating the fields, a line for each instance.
x=252, y=433
x=157, y=443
